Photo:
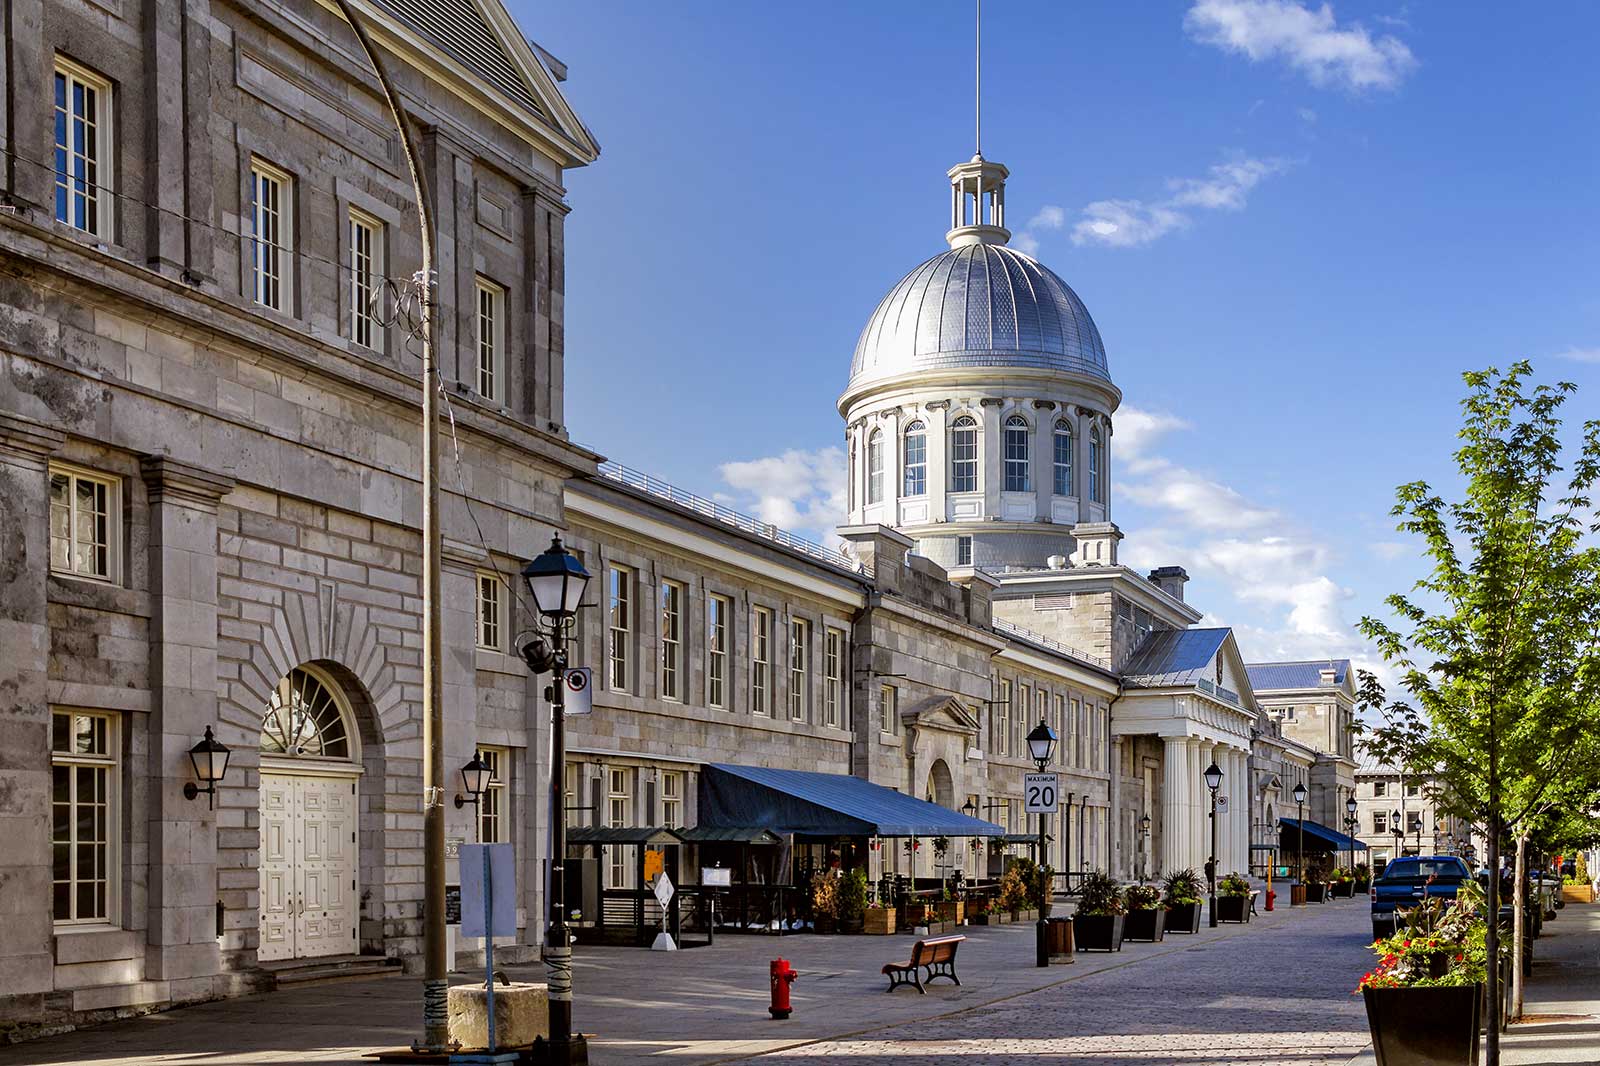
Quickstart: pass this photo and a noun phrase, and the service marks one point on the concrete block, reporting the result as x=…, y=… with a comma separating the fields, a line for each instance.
x=521, y=1013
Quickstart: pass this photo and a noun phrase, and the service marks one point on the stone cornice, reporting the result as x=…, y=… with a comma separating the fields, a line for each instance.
x=170, y=479
x=24, y=436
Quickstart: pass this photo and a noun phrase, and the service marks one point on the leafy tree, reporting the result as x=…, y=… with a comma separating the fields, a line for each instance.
x=1499, y=645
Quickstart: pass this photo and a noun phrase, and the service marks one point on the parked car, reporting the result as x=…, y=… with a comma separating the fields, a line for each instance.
x=1407, y=881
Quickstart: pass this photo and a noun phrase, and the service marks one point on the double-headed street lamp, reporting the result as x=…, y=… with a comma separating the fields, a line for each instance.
x=1300, y=839
x=1041, y=745
x=557, y=580
x=1213, y=776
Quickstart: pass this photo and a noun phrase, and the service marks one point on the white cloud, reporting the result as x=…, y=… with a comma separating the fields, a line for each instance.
x=1388, y=549
x=1307, y=115
x=1309, y=40
x=1049, y=217
x=1026, y=243
x=800, y=491
x=1130, y=223
x=1580, y=355
x=1138, y=430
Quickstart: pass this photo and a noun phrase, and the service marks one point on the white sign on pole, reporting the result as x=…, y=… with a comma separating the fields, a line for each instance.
x=1042, y=793
x=1222, y=803
x=579, y=695
x=715, y=877
x=495, y=870
x=664, y=893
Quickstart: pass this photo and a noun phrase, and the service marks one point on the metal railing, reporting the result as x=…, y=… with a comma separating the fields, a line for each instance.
x=1002, y=626
x=653, y=486
x=1226, y=694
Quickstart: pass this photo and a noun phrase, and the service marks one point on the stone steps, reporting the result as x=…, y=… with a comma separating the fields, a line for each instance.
x=292, y=973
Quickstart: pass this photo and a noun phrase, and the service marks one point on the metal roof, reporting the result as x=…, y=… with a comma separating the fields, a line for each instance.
x=1320, y=832
x=980, y=305
x=1174, y=657
x=460, y=30
x=733, y=834
x=1265, y=677
x=621, y=834
x=807, y=803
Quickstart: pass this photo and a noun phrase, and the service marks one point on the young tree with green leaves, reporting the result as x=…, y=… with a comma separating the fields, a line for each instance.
x=1498, y=646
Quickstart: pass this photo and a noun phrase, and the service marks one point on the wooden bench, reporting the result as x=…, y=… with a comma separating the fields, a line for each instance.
x=935, y=954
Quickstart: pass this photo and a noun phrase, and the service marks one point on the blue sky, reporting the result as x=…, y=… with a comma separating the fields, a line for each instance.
x=1295, y=226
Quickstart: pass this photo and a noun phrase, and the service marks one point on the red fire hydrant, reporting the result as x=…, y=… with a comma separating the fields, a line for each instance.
x=1271, y=895
x=782, y=978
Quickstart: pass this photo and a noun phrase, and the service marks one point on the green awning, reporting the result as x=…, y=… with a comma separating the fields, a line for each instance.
x=622, y=834
x=714, y=834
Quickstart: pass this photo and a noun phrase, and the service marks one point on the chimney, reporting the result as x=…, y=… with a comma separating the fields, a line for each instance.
x=1170, y=579
x=1328, y=675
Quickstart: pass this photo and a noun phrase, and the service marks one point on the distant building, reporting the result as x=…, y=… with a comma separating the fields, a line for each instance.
x=1388, y=800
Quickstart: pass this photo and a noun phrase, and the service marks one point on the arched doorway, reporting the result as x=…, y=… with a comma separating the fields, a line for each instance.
x=940, y=788
x=310, y=769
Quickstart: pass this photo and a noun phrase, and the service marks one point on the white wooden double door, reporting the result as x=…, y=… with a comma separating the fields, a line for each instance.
x=308, y=866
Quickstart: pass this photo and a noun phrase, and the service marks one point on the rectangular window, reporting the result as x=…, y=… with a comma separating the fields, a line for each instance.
x=493, y=815
x=1078, y=725
x=1413, y=789
x=619, y=627
x=717, y=608
x=1063, y=463
x=964, y=551
x=833, y=677
x=491, y=611
x=83, y=772
x=916, y=461
x=1061, y=729
x=573, y=801
x=272, y=235
x=672, y=799
x=619, y=803
x=83, y=149
x=1380, y=788
x=1380, y=821
x=761, y=661
x=889, y=707
x=964, y=455
x=85, y=524
x=671, y=640
x=1002, y=736
x=491, y=339
x=1041, y=700
x=1024, y=702
x=799, y=668
x=366, y=274
x=1017, y=441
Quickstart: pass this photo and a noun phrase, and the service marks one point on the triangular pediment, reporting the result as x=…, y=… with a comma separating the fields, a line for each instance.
x=944, y=713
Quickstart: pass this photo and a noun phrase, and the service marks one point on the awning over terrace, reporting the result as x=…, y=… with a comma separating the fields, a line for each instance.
x=1319, y=836
x=811, y=804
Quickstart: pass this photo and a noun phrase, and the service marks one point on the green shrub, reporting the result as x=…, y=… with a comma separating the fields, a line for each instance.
x=1181, y=887
x=1099, y=895
x=1234, y=884
x=1142, y=897
x=851, y=898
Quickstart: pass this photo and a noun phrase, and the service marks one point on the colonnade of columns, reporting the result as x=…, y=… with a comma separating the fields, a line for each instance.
x=1186, y=806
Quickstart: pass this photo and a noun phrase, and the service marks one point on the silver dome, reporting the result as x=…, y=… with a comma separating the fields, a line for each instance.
x=979, y=305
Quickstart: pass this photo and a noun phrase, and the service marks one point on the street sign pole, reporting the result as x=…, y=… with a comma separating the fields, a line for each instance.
x=1042, y=795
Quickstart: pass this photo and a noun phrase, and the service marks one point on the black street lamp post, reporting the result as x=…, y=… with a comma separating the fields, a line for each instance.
x=1349, y=830
x=1041, y=744
x=557, y=581
x=1300, y=837
x=1213, y=777
x=1144, y=848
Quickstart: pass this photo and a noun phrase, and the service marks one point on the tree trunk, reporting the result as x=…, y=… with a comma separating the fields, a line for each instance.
x=1519, y=919
x=1491, y=904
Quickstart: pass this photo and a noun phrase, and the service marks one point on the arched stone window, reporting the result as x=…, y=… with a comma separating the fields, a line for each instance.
x=875, y=466
x=305, y=717
x=1096, y=466
x=915, y=460
x=1063, y=458
x=964, y=455
x=1016, y=453
x=851, y=486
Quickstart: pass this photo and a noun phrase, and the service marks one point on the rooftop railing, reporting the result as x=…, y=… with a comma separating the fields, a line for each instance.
x=1002, y=626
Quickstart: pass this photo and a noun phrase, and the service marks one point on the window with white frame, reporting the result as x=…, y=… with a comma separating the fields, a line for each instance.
x=1063, y=459
x=366, y=280
x=672, y=798
x=492, y=609
x=1002, y=733
x=83, y=757
x=833, y=677
x=850, y=486
x=718, y=609
x=491, y=340
x=494, y=816
x=875, y=466
x=915, y=454
x=85, y=523
x=83, y=149
x=1024, y=699
x=964, y=550
x=761, y=661
x=1380, y=788
x=671, y=640
x=619, y=812
x=964, y=455
x=1413, y=789
x=271, y=235
x=1016, y=454
x=799, y=668
x=619, y=627
x=572, y=800
x=1079, y=725
x=1380, y=821
x=1096, y=462
x=889, y=708
x=1061, y=729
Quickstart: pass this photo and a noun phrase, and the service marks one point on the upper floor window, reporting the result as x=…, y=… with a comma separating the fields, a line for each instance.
x=1016, y=451
x=671, y=640
x=1063, y=727
x=672, y=798
x=1380, y=788
x=1063, y=459
x=366, y=274
x=916, y=460
x=1002, y=723
x=850, y=486
x=493, y=816
x=84, y=747
x=83, y=149
x=799, y=667
x=1096, y=464
x=272, y=234
x=491, y=611
x=1380, y=822
x=619, y=627
x=964, y=455
x=964, y=550
x=717, y=608
x=889, y=707
x=1413, y=789
x=761, y=661
x=491, y=340
x=85, y=524
x=833, y=678
x=875, y=466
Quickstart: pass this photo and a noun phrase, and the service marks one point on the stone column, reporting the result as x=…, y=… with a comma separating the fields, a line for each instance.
x=1174, y=810
x=1199, y=843
x=1241, y=814
x=182, y=945
x=26, y=954
x=1116, y=850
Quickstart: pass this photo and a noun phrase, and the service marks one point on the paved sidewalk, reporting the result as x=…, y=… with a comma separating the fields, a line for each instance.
x=1562, y=1002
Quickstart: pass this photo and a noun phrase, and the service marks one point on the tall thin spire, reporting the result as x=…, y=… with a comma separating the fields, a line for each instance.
x=977, y=187
x=977, y=81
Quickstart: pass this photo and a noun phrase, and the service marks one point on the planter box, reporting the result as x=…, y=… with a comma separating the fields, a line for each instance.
x=878, y=921
x=918, y=914
x=1297, y=895
x=1577, y=893
x=1317, y=892
x=1097, y=932
x=1148, y=925
x=1183, y=918
x=1343, y=889
x=1058, y=939
x=1233, y=908
x=983, y=919
x=952, y=911
x=1424, y=1026
x=1024, y=916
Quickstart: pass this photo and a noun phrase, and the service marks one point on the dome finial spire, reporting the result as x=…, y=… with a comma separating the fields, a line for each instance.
x=977, y=187
x=977, y=82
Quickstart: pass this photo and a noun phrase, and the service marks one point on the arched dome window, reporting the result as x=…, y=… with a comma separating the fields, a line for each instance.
x=850, y=487
x=1063, y=458
x=1016, y=452
x=875, y=466
x=964, y=455
x=915, y=456
x=305, y=718
x=1096, y=466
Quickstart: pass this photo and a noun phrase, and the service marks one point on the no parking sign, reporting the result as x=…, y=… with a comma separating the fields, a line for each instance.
x=579, y=694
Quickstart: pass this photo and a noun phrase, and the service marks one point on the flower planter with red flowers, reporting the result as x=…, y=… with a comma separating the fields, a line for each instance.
x=1425, y=997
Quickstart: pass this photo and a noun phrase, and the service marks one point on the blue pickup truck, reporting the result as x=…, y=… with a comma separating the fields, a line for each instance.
x=1407, y=881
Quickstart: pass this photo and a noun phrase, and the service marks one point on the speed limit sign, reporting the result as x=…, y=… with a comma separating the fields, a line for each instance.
x=1042, y=793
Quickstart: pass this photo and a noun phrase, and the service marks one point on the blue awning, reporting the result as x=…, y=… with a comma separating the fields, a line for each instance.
x=823, y=805
x=1315, y=831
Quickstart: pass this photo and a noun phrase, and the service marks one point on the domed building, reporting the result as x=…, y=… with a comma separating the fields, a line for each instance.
x=980, y=402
